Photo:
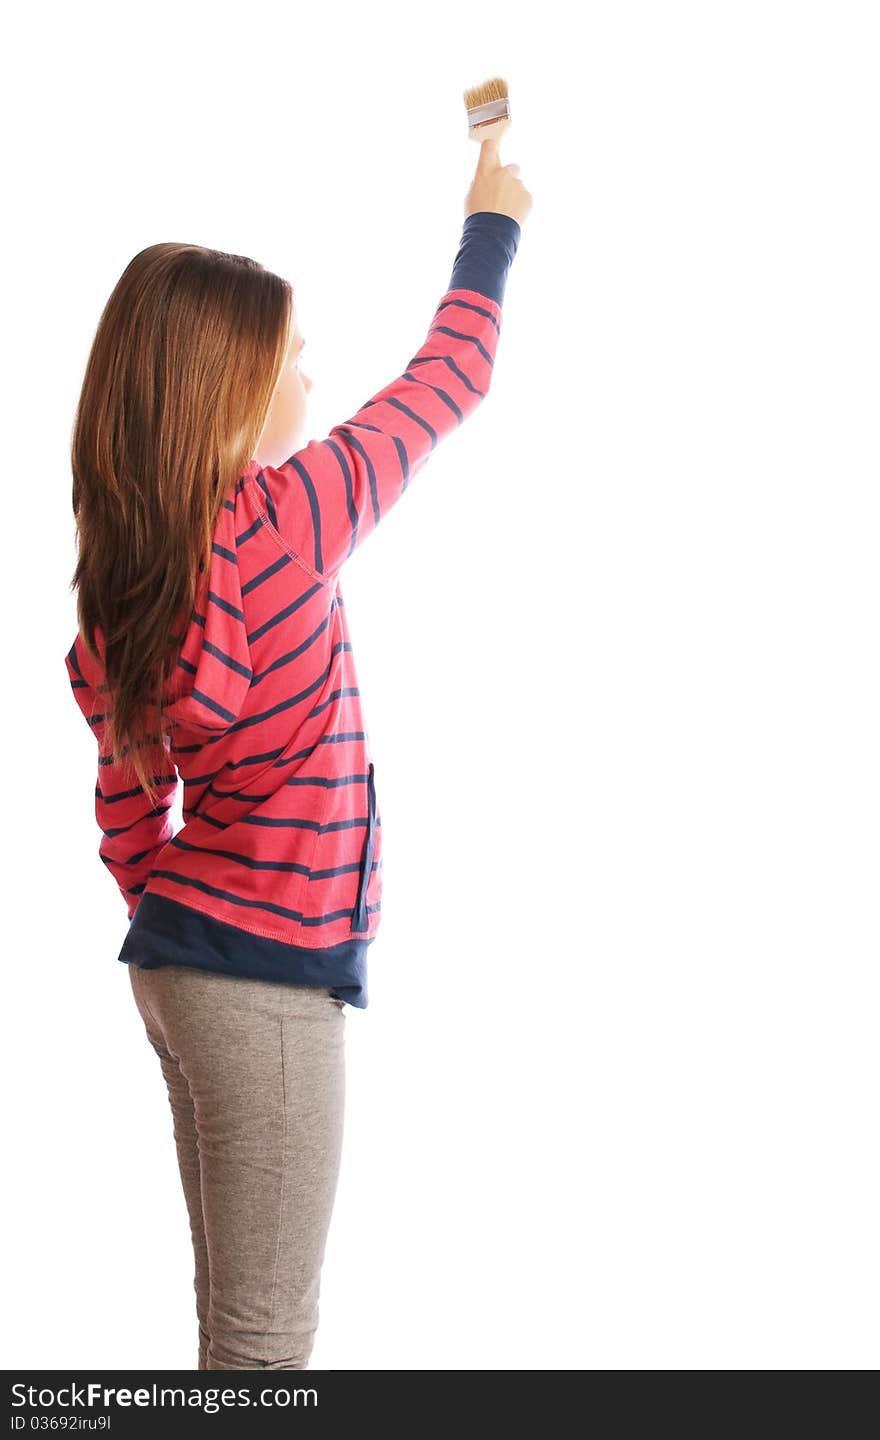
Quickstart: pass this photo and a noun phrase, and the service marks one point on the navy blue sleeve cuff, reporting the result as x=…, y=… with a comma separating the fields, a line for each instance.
x=485, y=253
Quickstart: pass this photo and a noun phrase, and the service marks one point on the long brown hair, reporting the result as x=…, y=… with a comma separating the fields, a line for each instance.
x=178, y=383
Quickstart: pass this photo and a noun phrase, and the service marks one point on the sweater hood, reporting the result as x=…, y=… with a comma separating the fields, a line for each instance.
x=214, y=671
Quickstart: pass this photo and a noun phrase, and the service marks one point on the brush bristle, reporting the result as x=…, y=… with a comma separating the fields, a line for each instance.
x=494, y=89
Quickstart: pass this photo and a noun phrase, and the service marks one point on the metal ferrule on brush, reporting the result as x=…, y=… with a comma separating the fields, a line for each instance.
x=486, y=114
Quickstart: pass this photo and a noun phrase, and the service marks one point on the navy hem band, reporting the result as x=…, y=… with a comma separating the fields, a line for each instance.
x=488, y=244
x=166, y=932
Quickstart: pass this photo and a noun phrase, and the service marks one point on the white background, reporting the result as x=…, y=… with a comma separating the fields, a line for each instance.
x=613, y=1103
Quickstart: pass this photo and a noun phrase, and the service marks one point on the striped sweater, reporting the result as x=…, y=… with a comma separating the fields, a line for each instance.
x=276, y=872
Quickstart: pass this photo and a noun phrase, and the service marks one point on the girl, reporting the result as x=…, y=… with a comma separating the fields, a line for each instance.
x=213, y=647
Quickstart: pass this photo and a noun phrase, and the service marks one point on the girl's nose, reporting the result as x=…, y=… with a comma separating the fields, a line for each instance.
x=307, y=382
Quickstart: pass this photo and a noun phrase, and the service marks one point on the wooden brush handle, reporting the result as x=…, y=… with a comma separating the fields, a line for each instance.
x=493, y=131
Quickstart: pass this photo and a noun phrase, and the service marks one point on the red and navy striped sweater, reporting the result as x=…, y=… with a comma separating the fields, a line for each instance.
x=276, y=872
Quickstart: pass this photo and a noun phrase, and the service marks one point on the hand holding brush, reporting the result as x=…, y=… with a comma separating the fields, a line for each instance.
x=495, y=186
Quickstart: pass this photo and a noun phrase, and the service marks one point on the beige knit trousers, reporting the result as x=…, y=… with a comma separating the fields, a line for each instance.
x=255, y=1072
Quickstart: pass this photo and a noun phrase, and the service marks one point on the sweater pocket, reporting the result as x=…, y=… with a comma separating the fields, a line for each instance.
x=359, y=916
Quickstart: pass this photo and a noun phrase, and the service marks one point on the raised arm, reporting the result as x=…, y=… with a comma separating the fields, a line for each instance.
x=327, y=497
